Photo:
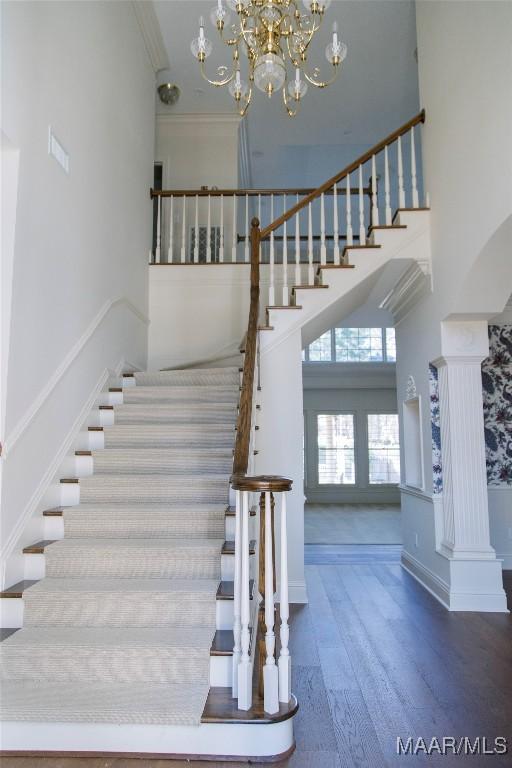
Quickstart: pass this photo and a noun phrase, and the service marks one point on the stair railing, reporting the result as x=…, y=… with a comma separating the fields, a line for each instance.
x=274, y=678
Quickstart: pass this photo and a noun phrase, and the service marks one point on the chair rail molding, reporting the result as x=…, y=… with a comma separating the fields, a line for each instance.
x=66, y=363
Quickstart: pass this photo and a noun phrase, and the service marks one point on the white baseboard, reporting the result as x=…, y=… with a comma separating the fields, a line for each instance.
x=297, y=592
x=506, y=561
x=437, y=587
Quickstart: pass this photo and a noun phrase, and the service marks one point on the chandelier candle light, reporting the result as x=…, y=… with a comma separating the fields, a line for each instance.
x=275, y=37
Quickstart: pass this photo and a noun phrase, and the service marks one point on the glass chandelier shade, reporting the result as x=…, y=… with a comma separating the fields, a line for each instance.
x=270, y=41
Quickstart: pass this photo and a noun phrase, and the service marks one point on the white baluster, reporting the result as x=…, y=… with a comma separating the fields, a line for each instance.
x=221, y=236
x=311, y=270
x=362, y=231
x=323, y=249
x=196, y=233
x=401, y=192
x=245, y=667
x=375, y=201
x=284, y=664
x=208, y=233
x=247, y=233
x=414, y=184
x=270, y=673
x=298, y=279
x=158, y=229
x=271, y=290
x=237, y=626
x=386, y=188
x=184, y=231
x=336, y=231
x=170, y=250
x=285, y=259
x=348, y=205
x=233, y=239
x=263, y=245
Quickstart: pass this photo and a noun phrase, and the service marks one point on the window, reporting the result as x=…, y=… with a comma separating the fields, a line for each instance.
x=336, y=455
x=358, y=345
x=383, y=449
x=320, y=350
x=353, y=345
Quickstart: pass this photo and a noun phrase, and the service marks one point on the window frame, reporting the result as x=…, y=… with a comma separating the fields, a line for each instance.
x=367, y=438
x=333, y=359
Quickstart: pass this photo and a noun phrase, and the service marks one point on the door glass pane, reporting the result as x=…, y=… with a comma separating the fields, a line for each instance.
x=383, y=448
x=336, y=458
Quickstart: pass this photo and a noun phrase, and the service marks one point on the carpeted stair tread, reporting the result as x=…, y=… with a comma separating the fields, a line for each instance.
x=145, y=520
x=164, y=435
x=186, y=394
x=134, y=558
x=193, y=376
x=154, y=488
x=140, y=703
x=108, y=602
x=180, y=413
x=113, y=654
x=162, y=460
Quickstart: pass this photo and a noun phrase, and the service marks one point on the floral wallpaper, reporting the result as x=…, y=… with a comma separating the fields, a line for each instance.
x=435, y=424
x=497, y=398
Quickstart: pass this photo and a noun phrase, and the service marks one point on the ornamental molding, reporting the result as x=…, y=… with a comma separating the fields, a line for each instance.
x=410, y=390
x=151, y=34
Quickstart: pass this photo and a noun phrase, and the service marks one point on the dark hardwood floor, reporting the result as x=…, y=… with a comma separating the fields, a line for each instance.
x=376, y=657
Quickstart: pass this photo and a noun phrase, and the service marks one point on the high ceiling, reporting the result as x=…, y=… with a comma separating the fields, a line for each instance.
x=377, y=89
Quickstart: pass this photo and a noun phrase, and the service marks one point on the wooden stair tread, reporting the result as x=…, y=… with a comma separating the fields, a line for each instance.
x=228, y=547
x=6, y=632
x=17, y=589
x=387, y=226
x=95, y=429
x=70, y=480
x=128, y=375
x=226, y=590
x=222, y=643
x=115, y=389
x=231, y=511
x=307, y=287
x=336, y=266
x=265, y=327
x=38, y=548
x=54, y=512
x=221, y=707
x=283, y=306
x=106, y=407
x=83, y=453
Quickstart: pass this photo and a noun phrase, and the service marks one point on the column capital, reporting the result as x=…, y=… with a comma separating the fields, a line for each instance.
x=464, y=341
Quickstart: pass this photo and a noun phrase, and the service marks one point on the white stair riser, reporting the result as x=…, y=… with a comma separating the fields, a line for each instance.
x=236, y=739
x=127, y=381
x=54, y=528
x=110, y=398
x=221, y=671
x=12, y=611
x=34, y=566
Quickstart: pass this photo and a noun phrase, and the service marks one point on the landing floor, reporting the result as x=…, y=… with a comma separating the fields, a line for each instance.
x=376, y=657
x=352, y=524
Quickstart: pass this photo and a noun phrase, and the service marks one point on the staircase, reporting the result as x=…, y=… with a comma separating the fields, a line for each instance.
x=126, y=617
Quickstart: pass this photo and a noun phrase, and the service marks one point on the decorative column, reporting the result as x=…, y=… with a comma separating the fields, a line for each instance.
x=475, y=582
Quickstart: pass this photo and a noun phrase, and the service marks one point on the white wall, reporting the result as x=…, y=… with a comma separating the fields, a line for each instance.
x=79, y=288
x=465, y=61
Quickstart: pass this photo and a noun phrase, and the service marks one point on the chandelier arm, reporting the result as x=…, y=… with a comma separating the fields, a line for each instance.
x=248, y=99
x=291, y=112
x=217, y=83
x=322, y=83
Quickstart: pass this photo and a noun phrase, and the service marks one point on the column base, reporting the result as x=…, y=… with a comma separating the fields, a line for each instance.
x=472, y=585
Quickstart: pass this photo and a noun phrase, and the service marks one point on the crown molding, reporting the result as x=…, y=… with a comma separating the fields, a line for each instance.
x=200, y=117
x=151, y=33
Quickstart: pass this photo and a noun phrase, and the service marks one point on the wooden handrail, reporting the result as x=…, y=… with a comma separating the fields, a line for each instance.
x=244, y=192
x=324, y=188
x=243, y=434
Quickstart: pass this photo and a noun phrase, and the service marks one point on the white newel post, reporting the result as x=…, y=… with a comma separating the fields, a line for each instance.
x=284, y=664
x=270, y=672
x=475, y=574
x=237, y=625
x=414, y=183
x=245, y=667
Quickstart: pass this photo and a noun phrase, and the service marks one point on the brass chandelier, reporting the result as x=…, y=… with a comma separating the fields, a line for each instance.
x=275, y=36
